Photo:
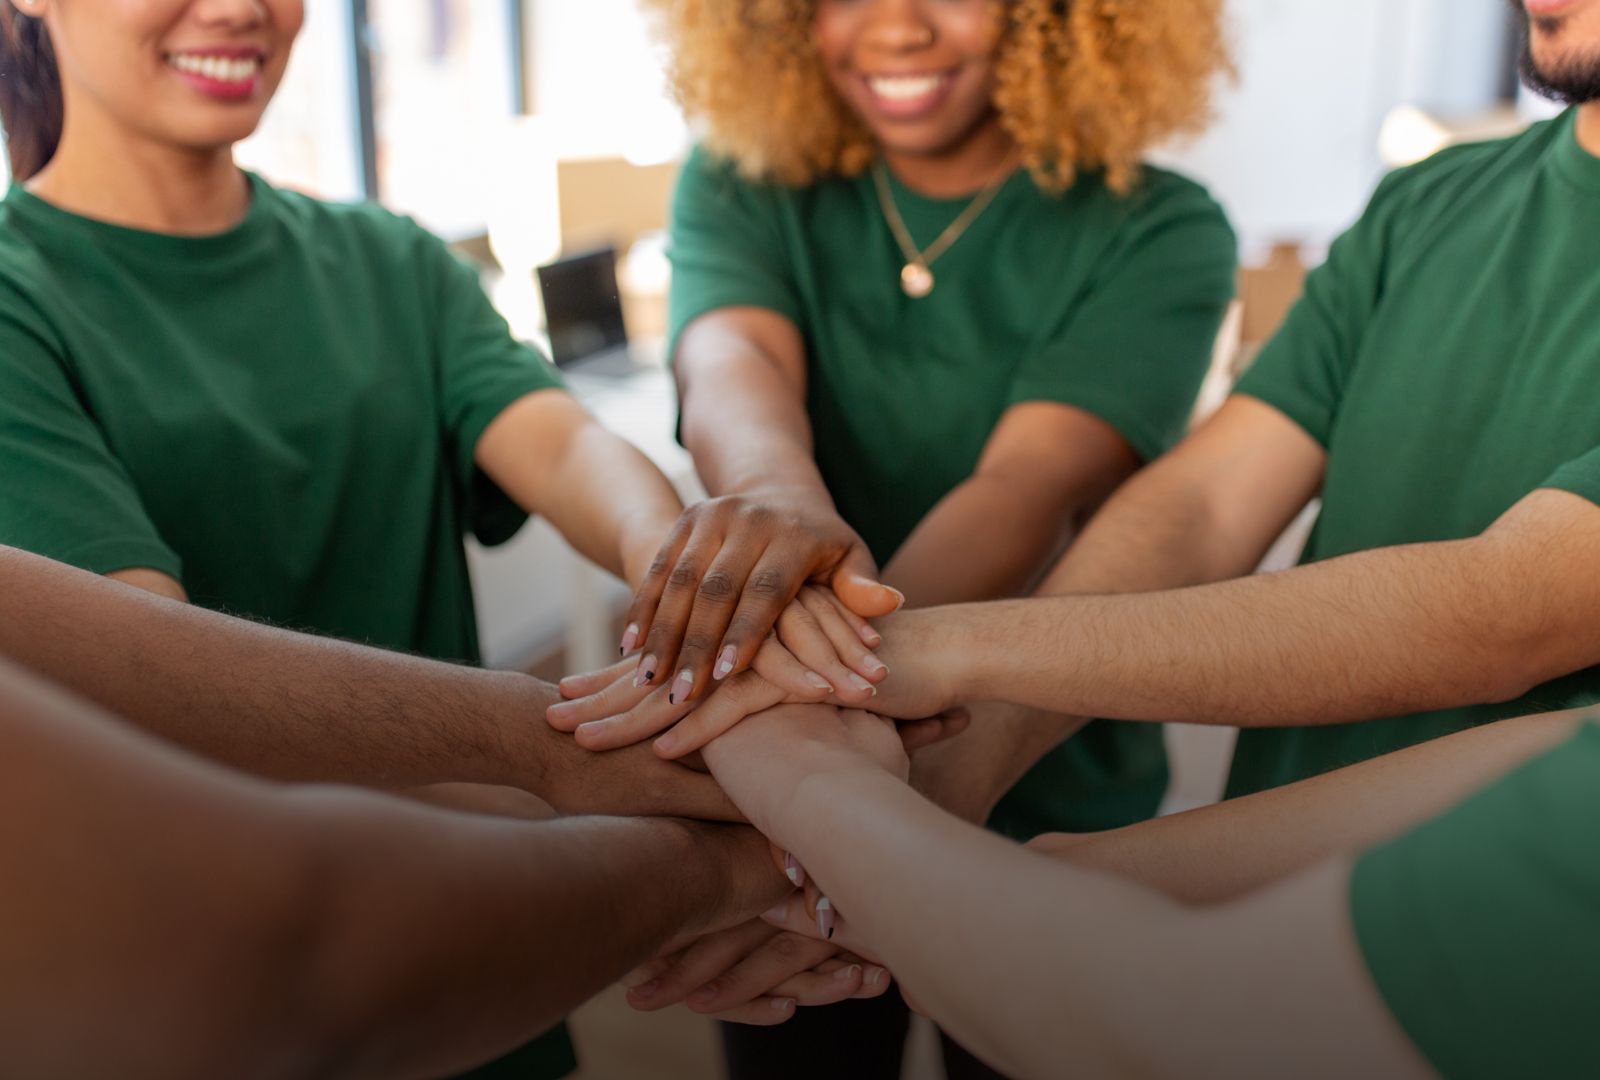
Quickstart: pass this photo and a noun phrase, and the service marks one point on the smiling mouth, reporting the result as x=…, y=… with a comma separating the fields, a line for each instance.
x=903, y=89
x=230, y=70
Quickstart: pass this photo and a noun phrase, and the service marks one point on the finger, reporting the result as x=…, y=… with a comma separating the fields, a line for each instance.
x=855, y=580
x=642, y=611
x=809, y=988
x=746, y=695
x=801, y=634
x=648, y=716
x=651, y=969
x=618, y=698
x=796, y=915
x=767, y=1012
x=862, y=628
x=714, y=603
x=579, y=686
x=699, y=964
x=875, y=979
x=846, y=642
x=779, y=667
x=875, y=982
x=782, y=959
x=917, y=734
x=660, y=650
x=774, y=582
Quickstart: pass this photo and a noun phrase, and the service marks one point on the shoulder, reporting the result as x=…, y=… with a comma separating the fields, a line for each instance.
x=352, y=226
x=28, y=286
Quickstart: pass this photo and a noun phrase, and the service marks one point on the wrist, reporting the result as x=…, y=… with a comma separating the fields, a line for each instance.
x=519, y=746
x=729, y=873
x=640, y=544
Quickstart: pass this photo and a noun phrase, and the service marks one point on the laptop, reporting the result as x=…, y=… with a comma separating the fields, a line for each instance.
x=583, y=314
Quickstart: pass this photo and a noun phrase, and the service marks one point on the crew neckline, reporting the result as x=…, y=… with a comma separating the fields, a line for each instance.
x=1570, y=157
x=145, y=240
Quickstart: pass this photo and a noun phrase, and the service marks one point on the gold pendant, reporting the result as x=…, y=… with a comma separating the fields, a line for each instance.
x=916, y=280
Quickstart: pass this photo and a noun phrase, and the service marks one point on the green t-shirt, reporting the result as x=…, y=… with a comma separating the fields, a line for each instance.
x=1106, y=303
x=1446, y=356
x=282, y=417
x=1482, y=927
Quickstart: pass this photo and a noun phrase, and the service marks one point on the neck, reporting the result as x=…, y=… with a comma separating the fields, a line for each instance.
x=1589, y=127
x=962, y=169
x=105, y=173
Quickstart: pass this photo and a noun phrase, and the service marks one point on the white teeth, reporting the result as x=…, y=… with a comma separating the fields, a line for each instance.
x=219, y=68
x=905, y=88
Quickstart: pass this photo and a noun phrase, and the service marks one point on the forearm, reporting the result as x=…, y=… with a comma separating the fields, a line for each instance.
x=988, y=538
x=1380, y=633
x=269, y=701
x=744, y=420
x=610, y=503
x=520, y=922
x=1221, y=852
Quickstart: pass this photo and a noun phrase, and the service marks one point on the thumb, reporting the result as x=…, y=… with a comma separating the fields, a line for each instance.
x=855, y=583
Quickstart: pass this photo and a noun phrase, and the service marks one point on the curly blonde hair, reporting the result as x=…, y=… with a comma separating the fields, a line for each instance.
x=1079, y=84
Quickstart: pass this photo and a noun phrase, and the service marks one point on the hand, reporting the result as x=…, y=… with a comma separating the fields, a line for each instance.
x=726, y=572
x=822, y=657
x=754, y=974
x=762, y=761
x=632, y=782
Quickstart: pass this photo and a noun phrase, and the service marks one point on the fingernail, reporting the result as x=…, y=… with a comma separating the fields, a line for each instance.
x=725, y=662
x=776, y=913
x=647, y=989
x=846, y=974
x=645, y=671
x=782, y=1004
x=874, y=666
x=825, y=918
x=681, y=688
x=594, y=727
x=819, y=682
x=667, y=745
x=863, y=685
x=870, y=637
x=874, y=977
x=704, y=994
x=794, y=872
x=900, y=597
x=630, y=638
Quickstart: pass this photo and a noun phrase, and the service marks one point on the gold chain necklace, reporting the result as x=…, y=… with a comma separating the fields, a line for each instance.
x=916, y=277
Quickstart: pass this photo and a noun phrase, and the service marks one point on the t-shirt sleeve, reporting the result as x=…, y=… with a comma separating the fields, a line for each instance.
x=1303, y=370
x=727, y=247
x=1580, y=476
x=63, y=493
x=1479, y=928
x=1136, y=350
x=482, y=370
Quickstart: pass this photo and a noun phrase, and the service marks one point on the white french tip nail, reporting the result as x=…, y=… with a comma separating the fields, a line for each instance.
x=793, y=874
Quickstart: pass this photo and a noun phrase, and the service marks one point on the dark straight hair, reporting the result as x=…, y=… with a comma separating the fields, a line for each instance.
x=30, y=91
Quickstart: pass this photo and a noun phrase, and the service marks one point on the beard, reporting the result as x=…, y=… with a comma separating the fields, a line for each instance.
x=1572, y=78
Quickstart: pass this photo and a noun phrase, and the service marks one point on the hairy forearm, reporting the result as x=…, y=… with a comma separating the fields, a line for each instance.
x=269, y=701
x=1225, y=851
x=1380, y=633
x=520, y=922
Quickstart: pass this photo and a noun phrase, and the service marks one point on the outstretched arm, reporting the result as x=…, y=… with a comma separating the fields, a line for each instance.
x=1043, y=971
x=216, y=925
x=296, y=707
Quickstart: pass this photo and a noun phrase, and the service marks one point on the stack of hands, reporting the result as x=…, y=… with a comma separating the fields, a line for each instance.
x=753, y=657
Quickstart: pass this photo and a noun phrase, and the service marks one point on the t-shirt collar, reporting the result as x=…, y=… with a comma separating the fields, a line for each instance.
x=1570, y=159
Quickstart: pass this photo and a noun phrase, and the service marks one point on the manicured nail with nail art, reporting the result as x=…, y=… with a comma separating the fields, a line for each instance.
x=681, y=688
x=825, y=918
x=794, y=871
x=863, y=685
x=725, y=661
x=819, y=682
x=630, y=638
x=645, y=671
x=846, y=974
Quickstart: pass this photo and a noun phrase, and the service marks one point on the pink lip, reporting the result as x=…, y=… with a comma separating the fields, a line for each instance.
x=1547, y=7
x=216, y=88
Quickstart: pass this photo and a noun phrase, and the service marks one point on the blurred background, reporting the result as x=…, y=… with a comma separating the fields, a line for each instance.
x=536, y=134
